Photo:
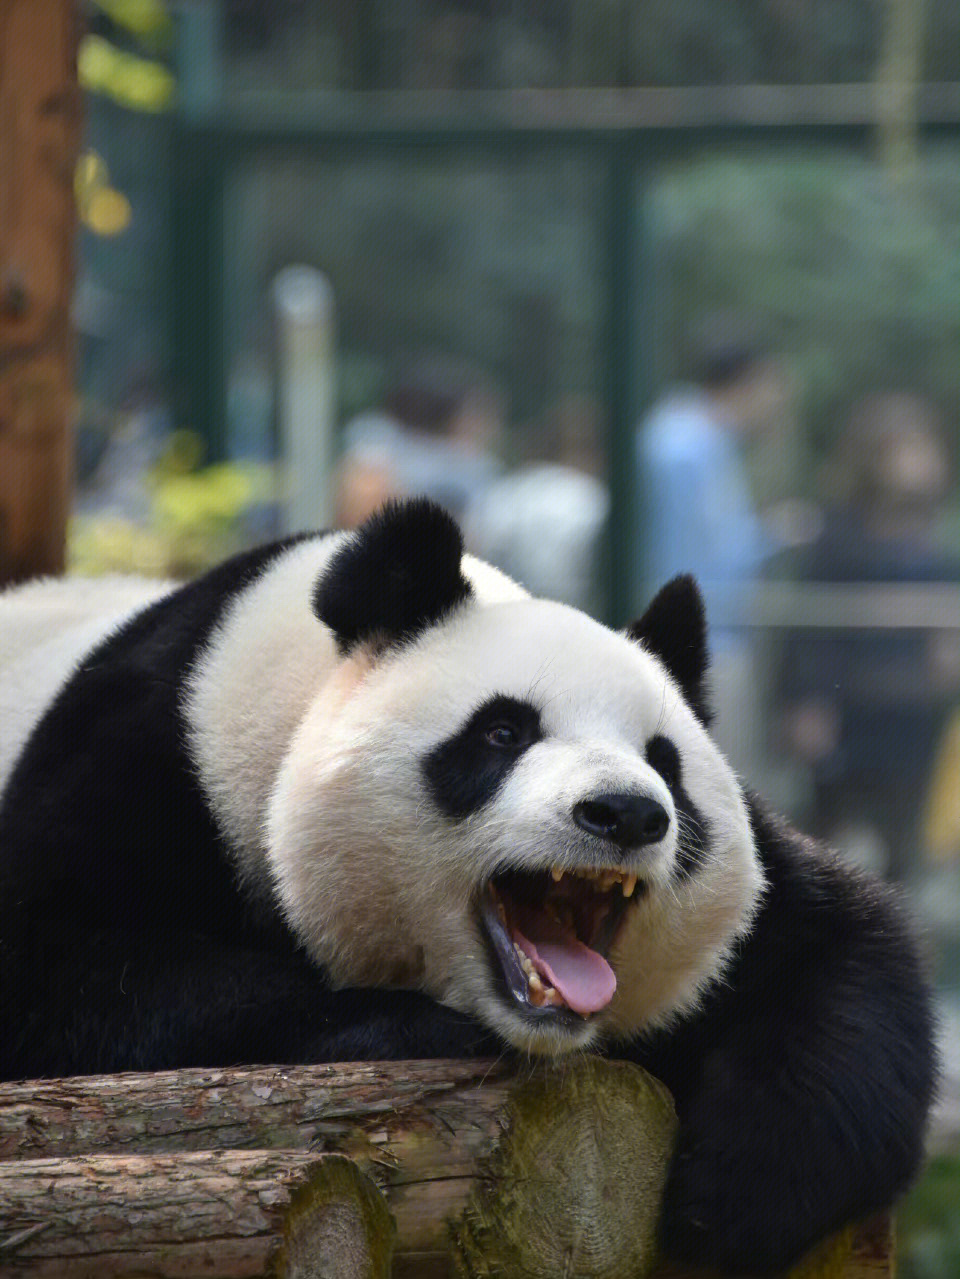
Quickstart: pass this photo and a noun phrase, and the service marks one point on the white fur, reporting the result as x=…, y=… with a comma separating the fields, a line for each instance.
x=46, y=627
x=255, y=681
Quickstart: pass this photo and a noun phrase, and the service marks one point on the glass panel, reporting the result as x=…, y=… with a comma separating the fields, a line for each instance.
x=801, y=458
x=468, y=298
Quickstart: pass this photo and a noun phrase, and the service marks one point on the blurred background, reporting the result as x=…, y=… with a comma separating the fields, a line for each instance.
x=633, y=287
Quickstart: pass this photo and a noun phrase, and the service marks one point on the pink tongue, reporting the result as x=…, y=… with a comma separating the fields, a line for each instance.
x=584, y=979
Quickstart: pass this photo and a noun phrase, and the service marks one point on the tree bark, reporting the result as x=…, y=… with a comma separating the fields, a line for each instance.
x=39, y=137
x=357, y=1108
x=233, y=1213
x=308, y=1171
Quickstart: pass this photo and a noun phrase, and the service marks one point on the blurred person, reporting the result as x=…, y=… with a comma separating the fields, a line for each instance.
x=436, y=432
x=865, y=708
x=541, y=523
x=699, y=511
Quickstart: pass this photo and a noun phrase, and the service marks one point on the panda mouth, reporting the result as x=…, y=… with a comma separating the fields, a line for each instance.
x=550, y=931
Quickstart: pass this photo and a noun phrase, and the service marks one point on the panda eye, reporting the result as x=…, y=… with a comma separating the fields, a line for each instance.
x=502, y=735
x=505, y=724
x=663, y=757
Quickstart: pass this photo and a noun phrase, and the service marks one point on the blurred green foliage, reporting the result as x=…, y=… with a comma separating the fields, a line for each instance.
x=111, y=61
x=928, y=1224
x=148, y=20
x=195, y=517
x=141, y=84
x=855, y=281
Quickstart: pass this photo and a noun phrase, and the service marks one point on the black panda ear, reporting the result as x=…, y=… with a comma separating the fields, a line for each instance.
x=396, y=575
x=674, y=629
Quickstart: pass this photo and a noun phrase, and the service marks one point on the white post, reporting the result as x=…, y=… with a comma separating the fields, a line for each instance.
x=304, y=306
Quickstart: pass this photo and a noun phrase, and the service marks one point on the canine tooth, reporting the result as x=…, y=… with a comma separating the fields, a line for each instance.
x=628, y=884
x=556, y=874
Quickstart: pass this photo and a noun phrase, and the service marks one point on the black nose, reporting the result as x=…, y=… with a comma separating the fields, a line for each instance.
x=626, y=820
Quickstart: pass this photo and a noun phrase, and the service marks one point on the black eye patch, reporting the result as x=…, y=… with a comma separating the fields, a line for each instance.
x=664, y=758
x=464, y=772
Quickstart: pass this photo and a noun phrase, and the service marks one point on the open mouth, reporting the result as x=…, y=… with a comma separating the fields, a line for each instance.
x=550, y=931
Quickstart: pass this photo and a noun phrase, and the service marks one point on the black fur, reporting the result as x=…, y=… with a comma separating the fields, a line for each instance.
x=674, y=629
x=467, y=769
x=398, y=575
x=663, y=756
x=803, y=1084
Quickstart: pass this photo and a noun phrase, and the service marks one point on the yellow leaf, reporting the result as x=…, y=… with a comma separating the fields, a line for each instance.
x=107, y=212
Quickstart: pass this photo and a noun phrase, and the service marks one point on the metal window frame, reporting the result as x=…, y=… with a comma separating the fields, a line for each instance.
x=633, y=133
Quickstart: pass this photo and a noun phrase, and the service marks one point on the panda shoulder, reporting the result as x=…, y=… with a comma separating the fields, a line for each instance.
x=822, y=916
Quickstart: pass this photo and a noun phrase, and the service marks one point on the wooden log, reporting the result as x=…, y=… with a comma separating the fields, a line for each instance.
x=483, y=1171
x=39, y=137
x=532, y=1175
x=357, y=1108
x=230, y=1215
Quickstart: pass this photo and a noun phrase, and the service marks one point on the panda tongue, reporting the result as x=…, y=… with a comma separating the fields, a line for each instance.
x=583, y=978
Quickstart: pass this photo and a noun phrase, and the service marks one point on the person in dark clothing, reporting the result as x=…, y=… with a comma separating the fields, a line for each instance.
x=865, y=706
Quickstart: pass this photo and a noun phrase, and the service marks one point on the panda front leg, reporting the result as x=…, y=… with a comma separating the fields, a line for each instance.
x=803, y=1086
x=91, y=1000
x=81, y=1000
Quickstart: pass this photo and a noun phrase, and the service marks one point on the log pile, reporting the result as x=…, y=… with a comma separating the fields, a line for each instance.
x=356, y=1171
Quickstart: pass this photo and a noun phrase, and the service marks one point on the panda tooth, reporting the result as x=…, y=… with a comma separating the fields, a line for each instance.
x=537, y=990
x=556, y=874
x=627, y=884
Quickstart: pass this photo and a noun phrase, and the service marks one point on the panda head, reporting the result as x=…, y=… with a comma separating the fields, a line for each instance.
x=499, y=801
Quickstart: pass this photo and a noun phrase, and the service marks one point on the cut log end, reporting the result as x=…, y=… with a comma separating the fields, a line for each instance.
x=338, y=1226
x=566, y=1177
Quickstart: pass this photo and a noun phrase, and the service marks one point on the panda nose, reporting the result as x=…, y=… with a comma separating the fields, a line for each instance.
x=629, y=821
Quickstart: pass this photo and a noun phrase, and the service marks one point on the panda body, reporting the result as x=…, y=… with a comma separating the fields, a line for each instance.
x=272, y=815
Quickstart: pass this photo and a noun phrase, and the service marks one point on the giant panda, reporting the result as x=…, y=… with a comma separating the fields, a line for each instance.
x=357, y=795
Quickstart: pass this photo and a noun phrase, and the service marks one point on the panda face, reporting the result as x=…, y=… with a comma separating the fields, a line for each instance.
x=517, y=811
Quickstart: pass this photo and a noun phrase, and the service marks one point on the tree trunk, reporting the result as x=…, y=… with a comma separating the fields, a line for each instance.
x=39, y=137
x=451, y=1167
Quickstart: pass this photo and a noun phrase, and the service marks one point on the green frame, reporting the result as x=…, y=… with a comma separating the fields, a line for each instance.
x=633, y=132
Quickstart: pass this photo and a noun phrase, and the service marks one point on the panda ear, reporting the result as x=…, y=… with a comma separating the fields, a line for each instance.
x=674, y=629
x=397, y=574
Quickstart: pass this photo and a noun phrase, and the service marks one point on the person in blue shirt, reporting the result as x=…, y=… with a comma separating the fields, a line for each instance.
x=699, y=514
